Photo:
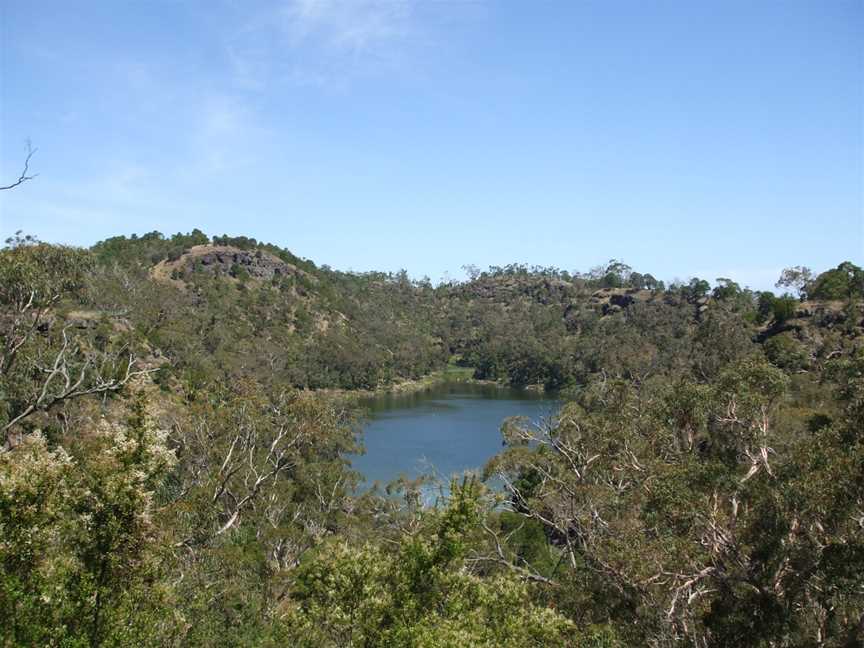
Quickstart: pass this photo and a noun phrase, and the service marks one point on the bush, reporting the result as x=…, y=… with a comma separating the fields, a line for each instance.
x=783, y=308
x=787, y=353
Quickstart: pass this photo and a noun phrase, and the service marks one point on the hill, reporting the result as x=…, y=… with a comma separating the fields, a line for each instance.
x=175, y=467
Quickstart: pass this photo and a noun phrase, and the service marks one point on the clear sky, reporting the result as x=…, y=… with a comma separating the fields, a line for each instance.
x=709, y=138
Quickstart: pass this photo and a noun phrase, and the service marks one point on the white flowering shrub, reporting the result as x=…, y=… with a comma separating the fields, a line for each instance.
x=76, y=535
x=423, y=594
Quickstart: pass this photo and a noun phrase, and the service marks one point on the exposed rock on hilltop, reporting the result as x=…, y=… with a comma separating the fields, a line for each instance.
x=506, y=288
x=610, y=300
x=813, y=316
x=223, y=260
x=613, y=295
x=259, y=265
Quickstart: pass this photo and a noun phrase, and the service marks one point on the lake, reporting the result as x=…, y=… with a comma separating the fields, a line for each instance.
x=445, y=430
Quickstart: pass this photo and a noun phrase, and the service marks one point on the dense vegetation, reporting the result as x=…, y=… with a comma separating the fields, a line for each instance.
x=177, y=414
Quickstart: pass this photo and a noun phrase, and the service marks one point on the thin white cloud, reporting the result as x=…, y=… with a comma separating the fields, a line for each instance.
x=213, y=128
x=322, y=43
x=351, y=26
x=223, y=116
x=226, y=134
x=198, y=124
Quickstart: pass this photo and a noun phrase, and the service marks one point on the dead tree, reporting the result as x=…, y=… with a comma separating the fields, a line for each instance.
x=23, y=177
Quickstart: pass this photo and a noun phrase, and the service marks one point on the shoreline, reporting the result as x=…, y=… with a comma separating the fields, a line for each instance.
x=412, y=385
x=416, y=385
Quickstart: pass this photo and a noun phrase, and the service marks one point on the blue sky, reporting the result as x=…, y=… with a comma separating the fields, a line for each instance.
x=686, y=138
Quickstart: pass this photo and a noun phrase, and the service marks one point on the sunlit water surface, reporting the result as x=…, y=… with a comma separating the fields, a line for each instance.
x=449, y=429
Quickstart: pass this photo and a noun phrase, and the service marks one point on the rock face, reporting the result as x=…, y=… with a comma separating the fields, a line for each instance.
x=256, y=264
x=226, y=261
x=543, y=290
x=813, y=318
x=622, y=301
x=614, y=300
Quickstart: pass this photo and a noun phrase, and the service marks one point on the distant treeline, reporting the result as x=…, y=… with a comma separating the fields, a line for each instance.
x=175, y=463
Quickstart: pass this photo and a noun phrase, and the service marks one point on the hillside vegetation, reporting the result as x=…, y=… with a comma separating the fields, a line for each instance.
x=178, y=415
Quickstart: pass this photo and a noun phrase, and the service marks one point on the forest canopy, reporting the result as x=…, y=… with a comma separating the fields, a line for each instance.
x=179, y=413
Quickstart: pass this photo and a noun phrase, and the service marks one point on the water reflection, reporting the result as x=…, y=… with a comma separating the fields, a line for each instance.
x=443, y=431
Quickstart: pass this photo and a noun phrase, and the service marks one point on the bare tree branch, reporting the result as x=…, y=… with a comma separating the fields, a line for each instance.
x=73, y=382
x=24, y=177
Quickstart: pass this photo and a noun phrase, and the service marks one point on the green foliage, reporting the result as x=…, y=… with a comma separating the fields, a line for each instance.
x=703, y=495
x=34, y=276
x=77, y=538
x=770, y=308
x=843, y=282
x=783, y=308
x=422, y=593
x=242, y=242
x=147, y=249
x=702, y=483
x=527, y=540
x=765, y=306
x=799, y=278
x=696, y=289
x=726, y=289
x=239, y=272
x=44, y=360
x=786, y=352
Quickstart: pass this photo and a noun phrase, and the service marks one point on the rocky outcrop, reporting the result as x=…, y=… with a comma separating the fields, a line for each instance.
x=257, y=264
x=226, y=261
x=812, y=319
x=622, y=301
x=614, y=300
x=542, y=290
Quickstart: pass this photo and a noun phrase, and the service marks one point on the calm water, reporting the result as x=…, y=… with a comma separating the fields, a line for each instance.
x=446, y=430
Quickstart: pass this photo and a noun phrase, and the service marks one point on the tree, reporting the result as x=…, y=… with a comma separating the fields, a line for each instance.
x=77, y=551
x=43, y=363
x=23, y=177
x=695, y=515
x=765, y=305
x=798, y=278
x=428, y=591
x=726, y=289
x=846, y=281
x=783, y=308
x=616, y=274
x=637, y=280
x=472, y=271
x=698, y=288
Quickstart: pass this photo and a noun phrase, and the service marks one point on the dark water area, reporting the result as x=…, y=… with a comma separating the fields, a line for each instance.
x=446, y=430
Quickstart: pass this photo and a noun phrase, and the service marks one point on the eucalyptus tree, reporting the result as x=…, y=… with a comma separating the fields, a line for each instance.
x=44, y=359
x=691, y=513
